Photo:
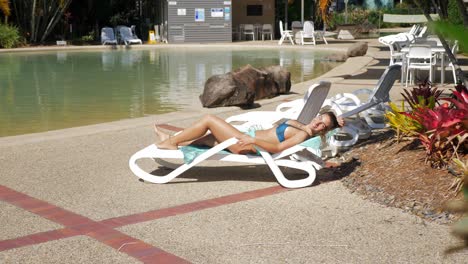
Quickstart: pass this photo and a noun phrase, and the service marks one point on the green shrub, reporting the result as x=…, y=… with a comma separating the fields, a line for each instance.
x=357, y=16
x=453, y=13
x=9, y=36
x=89, y=37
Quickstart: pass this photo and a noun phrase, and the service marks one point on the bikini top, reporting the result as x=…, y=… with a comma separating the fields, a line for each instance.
x=280, y=130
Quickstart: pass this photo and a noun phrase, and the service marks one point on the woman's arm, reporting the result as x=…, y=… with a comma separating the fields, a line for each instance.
x=300, y=126
x=299, y=137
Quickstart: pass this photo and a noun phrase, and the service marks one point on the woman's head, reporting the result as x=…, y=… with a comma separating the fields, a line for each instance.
x=324, y=123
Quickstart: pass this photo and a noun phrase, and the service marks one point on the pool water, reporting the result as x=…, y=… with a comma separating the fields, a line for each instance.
x=42, y=91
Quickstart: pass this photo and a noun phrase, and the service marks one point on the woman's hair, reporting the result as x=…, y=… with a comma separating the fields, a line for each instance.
x=333, y=119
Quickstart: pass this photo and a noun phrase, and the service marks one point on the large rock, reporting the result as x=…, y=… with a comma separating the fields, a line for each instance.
x=281, y=77
x=242, y=86
x=357, y=49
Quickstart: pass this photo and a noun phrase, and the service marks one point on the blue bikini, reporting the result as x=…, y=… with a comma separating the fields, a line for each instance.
x=280, y=131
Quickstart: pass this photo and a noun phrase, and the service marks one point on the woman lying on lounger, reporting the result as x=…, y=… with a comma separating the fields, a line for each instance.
x=276, y=139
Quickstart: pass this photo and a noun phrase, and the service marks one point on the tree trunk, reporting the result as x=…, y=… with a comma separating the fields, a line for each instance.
x=51, y=22
x=462, y=9
x=33, y=22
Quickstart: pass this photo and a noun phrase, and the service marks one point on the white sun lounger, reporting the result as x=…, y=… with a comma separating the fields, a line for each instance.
x=283, y=159
x=127, y=36
x=274, y=162
x=108, y=36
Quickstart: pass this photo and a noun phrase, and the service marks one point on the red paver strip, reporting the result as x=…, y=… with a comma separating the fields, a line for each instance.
x=78, y=225
x=191, y=207
x=41, y=208
x=134, y=247
x=36, y=238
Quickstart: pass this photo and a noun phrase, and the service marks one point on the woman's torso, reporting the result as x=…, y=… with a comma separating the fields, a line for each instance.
x=271, y=134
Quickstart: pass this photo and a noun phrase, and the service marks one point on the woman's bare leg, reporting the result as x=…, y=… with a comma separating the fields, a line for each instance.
x=162, y=136
x=218, y=127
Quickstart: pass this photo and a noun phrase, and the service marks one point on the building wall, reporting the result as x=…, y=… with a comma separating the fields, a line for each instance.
x=185, y=28
x=239, y=8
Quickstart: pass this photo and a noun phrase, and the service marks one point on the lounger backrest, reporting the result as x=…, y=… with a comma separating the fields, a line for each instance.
x=107, y=34
x=381, y=91
x=126, y=33
x=314, y=102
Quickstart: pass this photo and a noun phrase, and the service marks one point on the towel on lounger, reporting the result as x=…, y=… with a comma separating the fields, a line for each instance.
x=191, y=152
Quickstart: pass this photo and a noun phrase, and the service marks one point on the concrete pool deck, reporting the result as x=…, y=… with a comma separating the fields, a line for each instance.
x=68, y=195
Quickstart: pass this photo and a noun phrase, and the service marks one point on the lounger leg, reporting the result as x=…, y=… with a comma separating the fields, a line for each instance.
x=153, y=152
x=306, y=166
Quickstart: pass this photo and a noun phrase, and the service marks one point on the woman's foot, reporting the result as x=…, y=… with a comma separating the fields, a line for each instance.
x=165, y=142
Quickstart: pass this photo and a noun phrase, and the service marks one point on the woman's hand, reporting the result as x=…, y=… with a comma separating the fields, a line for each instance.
x=341, y=121
x=245, y=140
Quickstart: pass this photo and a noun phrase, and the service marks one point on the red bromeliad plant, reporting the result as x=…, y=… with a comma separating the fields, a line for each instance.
x=445, y=128
x=423, y=95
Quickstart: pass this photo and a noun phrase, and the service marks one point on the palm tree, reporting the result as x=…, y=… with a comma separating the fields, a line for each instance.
x=322, y=10
x=5, y=7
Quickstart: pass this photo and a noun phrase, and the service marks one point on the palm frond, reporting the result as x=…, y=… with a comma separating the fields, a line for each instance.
x=5, y=7
x=323, y=6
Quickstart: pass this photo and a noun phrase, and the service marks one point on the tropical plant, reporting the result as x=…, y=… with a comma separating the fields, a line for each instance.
x=445, y=129
x=323, y=10
x=460, y=228
x=403, y=124
x=9, y=36
x=422, y=96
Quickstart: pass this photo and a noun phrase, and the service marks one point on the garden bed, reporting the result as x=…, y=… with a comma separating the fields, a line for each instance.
x=395, y=174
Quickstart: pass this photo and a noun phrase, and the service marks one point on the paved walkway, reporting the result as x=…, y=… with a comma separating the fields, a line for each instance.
x=68, y=196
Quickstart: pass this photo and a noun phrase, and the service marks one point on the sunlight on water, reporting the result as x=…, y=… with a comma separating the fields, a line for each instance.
x=52, y=90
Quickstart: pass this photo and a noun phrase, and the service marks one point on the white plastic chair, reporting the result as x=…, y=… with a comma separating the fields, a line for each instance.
x=249, y=30
x=284, y=34
x=267, y=29
x=450, y=65
x=308, y=32
x=419, y=57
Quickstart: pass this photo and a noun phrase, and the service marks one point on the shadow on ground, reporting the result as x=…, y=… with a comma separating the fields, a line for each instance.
x=255, y=173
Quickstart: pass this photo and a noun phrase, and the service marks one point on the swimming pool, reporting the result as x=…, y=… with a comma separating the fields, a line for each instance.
x=41, y=91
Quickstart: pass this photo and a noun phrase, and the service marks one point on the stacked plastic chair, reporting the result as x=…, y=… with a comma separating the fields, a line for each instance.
x=362, y=117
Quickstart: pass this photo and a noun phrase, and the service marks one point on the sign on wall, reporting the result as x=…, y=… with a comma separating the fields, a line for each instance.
x=199, y=15
x=227, y=13
x=217, y=12
x=181, y=11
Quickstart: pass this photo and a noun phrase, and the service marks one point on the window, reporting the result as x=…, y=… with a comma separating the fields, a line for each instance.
x=254, y=10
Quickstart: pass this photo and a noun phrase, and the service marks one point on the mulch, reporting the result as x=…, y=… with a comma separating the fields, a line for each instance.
x=395, y=174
